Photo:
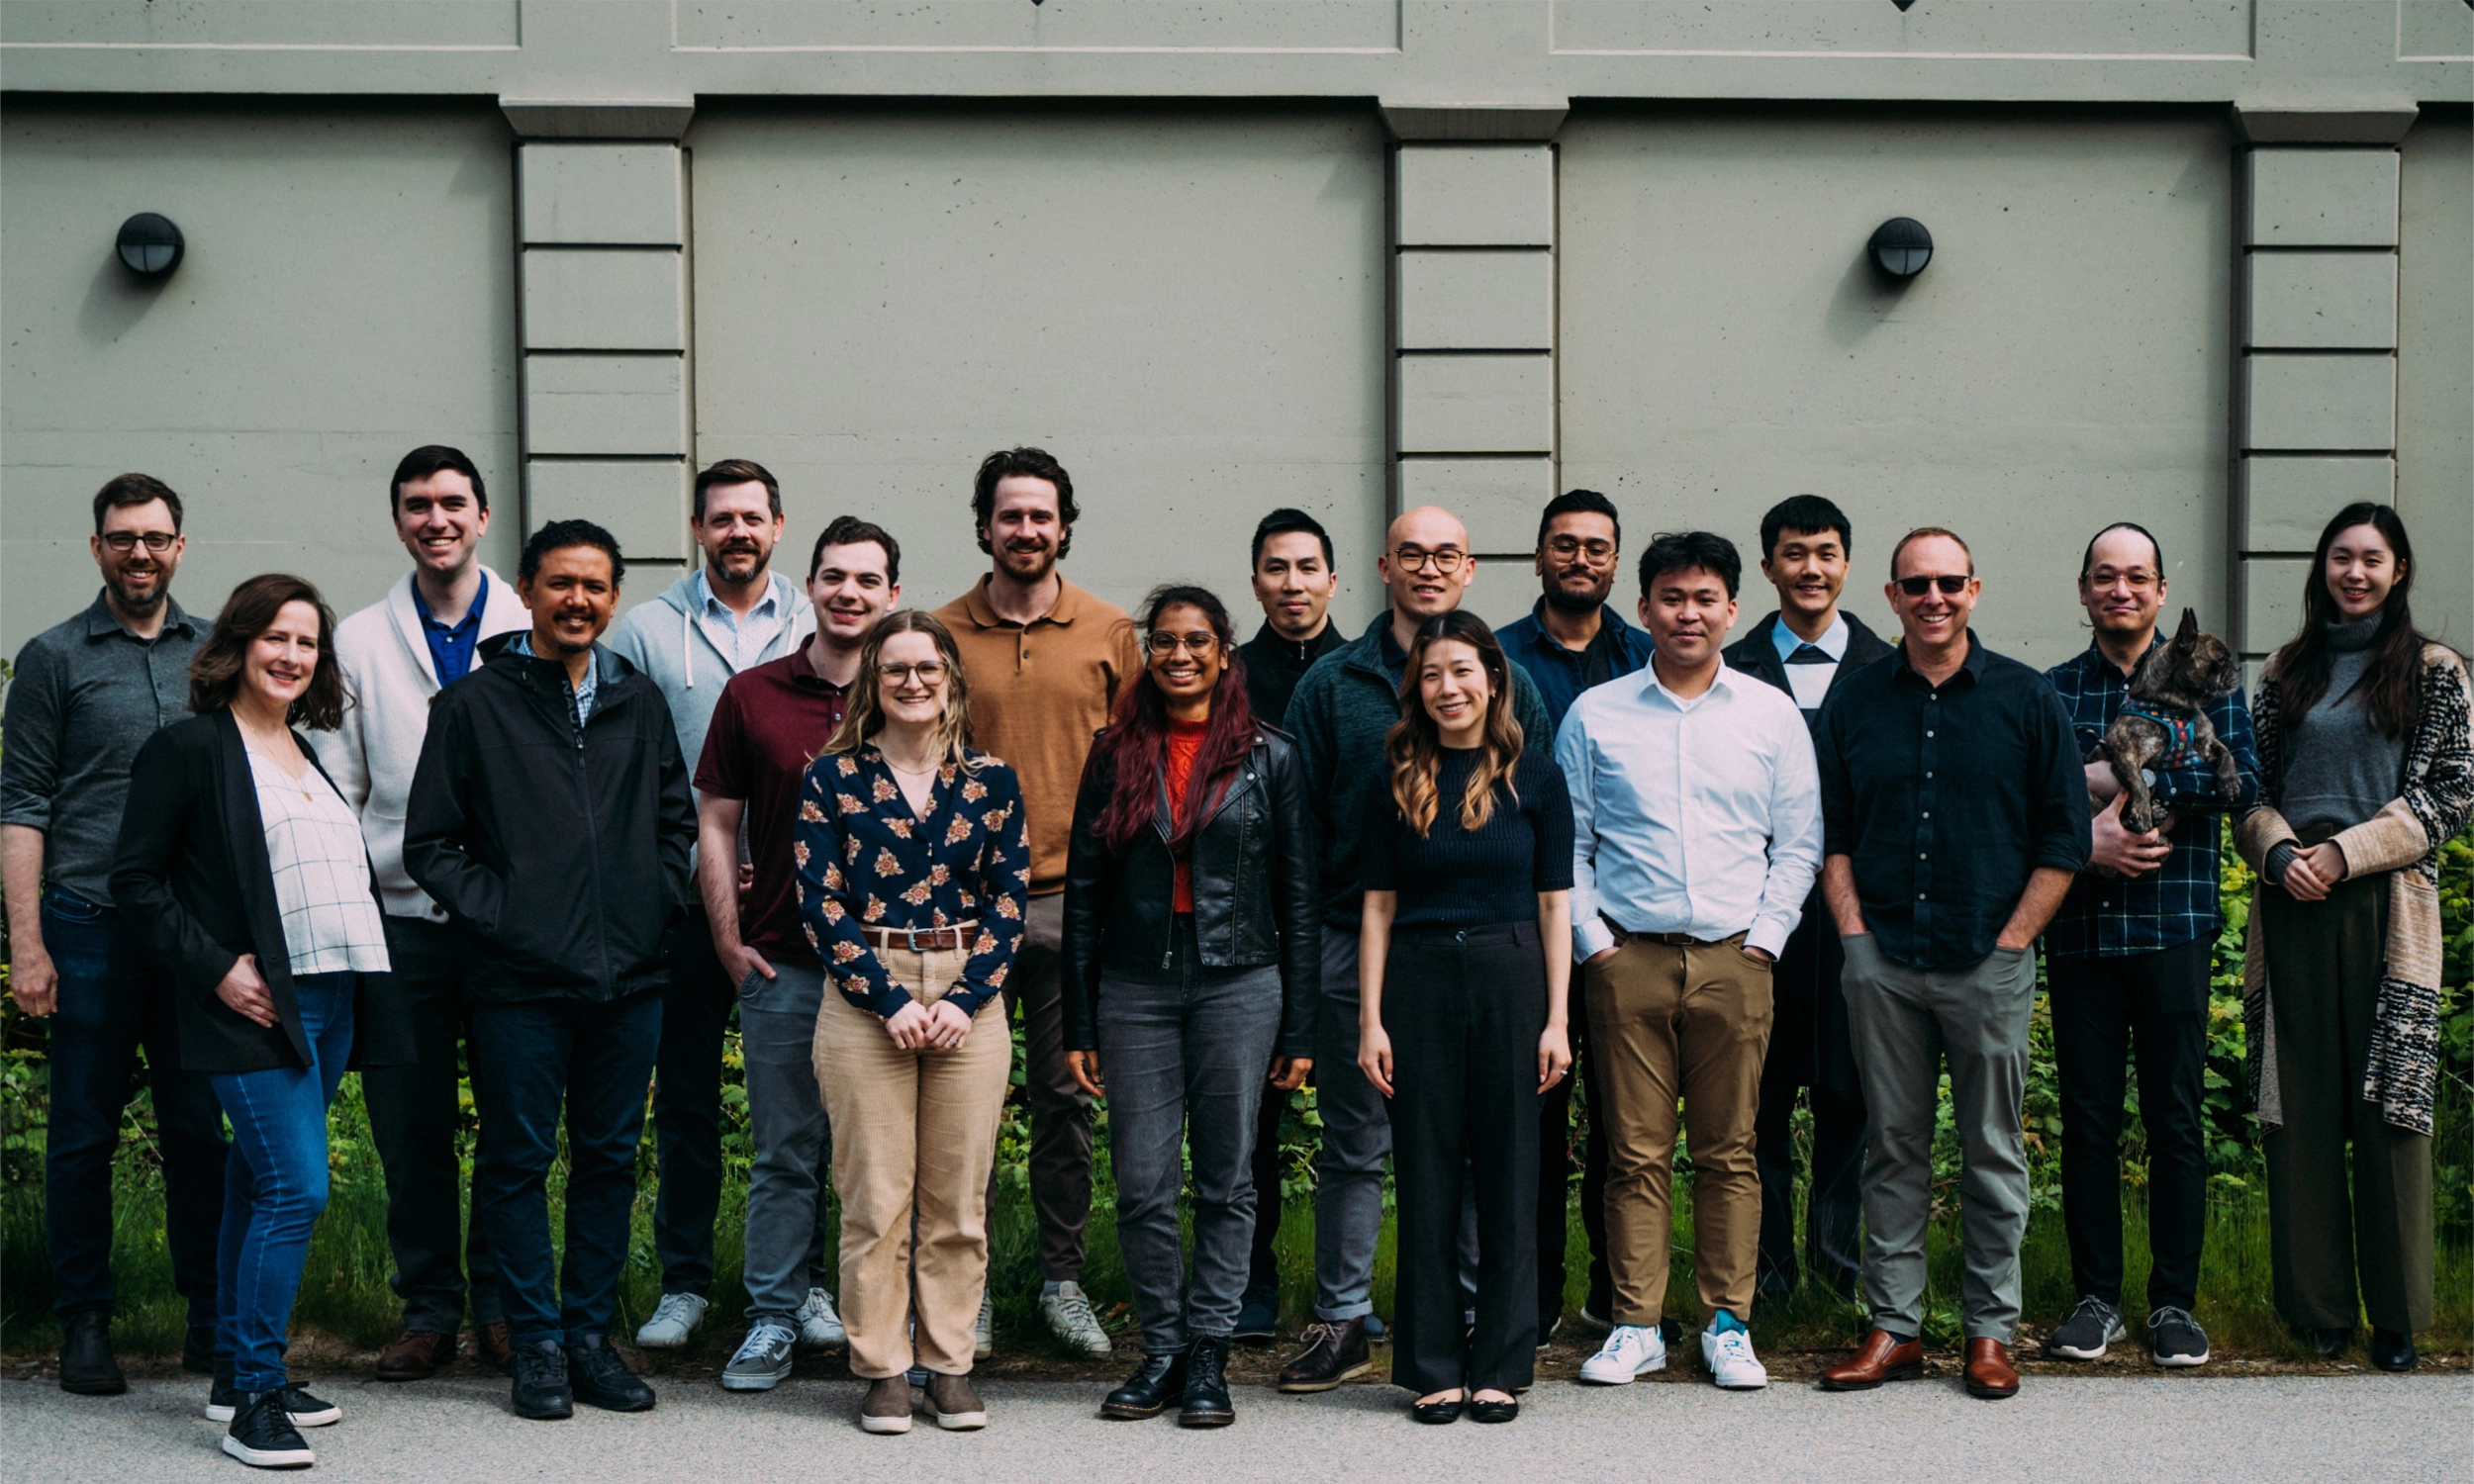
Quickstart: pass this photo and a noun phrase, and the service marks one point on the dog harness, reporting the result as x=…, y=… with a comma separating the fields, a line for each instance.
x=2181, y=734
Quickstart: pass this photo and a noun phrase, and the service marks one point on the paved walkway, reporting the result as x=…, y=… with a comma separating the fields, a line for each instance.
x=2224, y=1429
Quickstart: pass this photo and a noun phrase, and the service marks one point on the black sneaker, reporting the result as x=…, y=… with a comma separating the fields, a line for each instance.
x=602, y=1379
x=262, y=1436
x=2175, y=1339
x=2083, y=1336
x=223, y=1401
x=542, y=1391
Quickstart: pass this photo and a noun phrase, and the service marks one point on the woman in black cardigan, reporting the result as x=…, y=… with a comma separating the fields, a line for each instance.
x=242, y=870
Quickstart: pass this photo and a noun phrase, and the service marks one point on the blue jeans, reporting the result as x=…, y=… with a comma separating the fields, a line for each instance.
x=786, y=1117
x=276, y=1182
x=597, y=1061
x=115, y=1001
x=1183, y=1050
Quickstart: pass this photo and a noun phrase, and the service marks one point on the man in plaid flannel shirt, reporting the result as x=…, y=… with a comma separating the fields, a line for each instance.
x=2126, y=964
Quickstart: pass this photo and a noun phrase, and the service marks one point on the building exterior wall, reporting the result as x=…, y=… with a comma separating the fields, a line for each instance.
x=1343, y=253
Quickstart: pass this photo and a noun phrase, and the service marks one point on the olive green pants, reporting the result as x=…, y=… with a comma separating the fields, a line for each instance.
x=2326, y=1233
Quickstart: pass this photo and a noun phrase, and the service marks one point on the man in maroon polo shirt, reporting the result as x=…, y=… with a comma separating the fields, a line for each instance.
x=769, y=723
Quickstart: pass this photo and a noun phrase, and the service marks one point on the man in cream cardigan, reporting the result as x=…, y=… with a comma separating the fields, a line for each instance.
x=397, y=654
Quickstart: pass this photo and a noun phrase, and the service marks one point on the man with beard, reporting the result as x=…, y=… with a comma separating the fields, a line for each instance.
x=771, y=722
x=1804, y=649
x=1339, y=715
x=1045, y=662
x=732, y=613
x=87, y=695
x=1571, y=639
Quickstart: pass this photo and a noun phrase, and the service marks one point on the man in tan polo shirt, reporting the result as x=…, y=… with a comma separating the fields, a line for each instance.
x=1045, y=660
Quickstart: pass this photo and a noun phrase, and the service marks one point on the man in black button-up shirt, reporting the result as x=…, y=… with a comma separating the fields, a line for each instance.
x=1953, y=818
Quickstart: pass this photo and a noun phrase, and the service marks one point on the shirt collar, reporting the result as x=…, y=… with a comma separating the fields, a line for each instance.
x=1610, y=629
x=709, y=607
x=2095, y=662
x=1068, y=607
x=803, y=672
x=1653, y=691
x=1832, y=640
x=472, y=615
x=1973, y=667
x=101, y=620
x=1388, y=648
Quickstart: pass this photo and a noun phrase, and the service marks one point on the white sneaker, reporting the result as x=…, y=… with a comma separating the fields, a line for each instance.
x=1068, y=1312
x=984, y=1332
x=677, y=1316
x=1630, y=1350
x=818, y=1325
x=1728, y=1356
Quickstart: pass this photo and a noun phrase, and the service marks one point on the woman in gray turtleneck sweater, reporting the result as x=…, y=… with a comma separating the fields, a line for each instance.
x=2366, y=769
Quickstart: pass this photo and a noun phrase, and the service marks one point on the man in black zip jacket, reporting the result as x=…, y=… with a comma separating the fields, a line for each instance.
x=550, y=816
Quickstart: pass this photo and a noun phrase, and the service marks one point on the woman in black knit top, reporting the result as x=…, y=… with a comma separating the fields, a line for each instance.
x=1469, y=874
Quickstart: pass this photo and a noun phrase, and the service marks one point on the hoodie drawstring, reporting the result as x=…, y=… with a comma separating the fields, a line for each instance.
x=686, y=644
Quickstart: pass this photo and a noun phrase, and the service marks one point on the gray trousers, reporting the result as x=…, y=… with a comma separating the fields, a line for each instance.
x=786, y=1115
x=1183, y=1054
x=1349, y=1165
x=1906, y=1023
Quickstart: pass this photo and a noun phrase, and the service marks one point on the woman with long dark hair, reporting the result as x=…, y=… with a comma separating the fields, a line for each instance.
x=913, y=870
x=1192, y=944
x=1463, y=975
x=2366, y=769
x=243, y=870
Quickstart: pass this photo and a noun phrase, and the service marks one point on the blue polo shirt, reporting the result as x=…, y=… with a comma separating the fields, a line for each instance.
x=450, y=647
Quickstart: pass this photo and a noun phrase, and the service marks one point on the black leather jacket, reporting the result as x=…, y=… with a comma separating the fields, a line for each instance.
x=1254, y=885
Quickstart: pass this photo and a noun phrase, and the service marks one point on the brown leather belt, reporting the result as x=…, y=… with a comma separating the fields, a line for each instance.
x=1625, y=935
x=920, y=940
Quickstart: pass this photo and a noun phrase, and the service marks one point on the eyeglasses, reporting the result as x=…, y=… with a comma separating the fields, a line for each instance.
x=929, y=673
x=2137, y=579
x=1200, y=643
x=1447, y=561
x=1951, y=585
x=126, y=541
x=1569, y=548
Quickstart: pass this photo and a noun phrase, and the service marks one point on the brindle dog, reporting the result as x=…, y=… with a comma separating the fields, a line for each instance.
x=2165, y=723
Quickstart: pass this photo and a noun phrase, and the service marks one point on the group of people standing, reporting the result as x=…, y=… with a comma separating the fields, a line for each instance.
x=1439, y=870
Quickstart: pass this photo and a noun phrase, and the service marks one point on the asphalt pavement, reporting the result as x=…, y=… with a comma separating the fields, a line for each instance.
x=2221, y=1429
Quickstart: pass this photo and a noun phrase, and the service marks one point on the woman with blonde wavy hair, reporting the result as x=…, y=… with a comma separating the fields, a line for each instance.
x=1469, y=874
x=914, y=871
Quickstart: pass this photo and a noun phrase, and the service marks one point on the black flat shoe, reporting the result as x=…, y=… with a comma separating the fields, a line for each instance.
x=1494, y=1412
x=1436, y=1413
x=1158, y=1381
x=2393, y=1350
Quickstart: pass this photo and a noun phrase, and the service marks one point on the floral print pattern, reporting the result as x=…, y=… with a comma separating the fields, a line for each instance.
x=864, y=858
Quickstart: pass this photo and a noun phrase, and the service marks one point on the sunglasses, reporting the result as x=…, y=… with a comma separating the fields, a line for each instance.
x=1914, y=587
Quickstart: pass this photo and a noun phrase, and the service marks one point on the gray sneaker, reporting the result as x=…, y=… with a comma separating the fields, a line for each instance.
x=675, y=1319
x=2091, y=1327
x=2174, y=1338
x=763, y=1361
x=1069, y=1313
x=819, y=1328
x=984, y=1332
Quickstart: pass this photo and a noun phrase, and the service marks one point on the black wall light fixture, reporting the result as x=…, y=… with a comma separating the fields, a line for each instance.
x=152, y=245
x=1900, y=248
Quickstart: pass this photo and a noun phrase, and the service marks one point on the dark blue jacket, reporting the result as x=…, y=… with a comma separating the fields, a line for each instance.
x=1560, y=673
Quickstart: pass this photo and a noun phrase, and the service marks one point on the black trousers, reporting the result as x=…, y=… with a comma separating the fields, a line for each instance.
x=412, y=1115
x=2107, y=1011
x=1810, y=1048
x=1464, y=1011
x=1555, y=1174
x=687, y=1106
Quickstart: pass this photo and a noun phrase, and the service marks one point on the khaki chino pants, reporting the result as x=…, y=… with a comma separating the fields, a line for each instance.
x=1689, y=1022
x=911, y=1129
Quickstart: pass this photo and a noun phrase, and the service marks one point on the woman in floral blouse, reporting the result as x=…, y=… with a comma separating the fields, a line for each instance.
x=913, y=870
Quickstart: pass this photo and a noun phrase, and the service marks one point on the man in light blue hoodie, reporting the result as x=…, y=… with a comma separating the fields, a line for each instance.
x=732, y=613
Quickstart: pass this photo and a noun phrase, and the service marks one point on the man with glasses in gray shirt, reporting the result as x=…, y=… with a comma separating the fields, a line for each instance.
x=87, y=695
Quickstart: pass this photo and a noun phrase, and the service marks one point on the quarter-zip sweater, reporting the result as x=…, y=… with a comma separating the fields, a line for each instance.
x=560, y=850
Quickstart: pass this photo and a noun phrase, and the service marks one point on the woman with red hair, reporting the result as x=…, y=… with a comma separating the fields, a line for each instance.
x=1192, y=956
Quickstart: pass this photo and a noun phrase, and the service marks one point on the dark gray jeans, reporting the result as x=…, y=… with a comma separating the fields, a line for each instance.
x=1183, y=1056
x=786, y=1115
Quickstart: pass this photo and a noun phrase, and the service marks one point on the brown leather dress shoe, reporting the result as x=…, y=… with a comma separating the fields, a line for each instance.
x=495, y=1346
x=416, y=1355
x=1990, y=1374
x=1883, y=1356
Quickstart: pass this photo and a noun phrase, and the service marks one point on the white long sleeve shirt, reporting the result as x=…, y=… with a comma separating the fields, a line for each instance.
x=1699, y=816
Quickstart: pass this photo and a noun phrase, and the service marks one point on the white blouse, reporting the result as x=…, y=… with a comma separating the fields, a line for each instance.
x=331, y=922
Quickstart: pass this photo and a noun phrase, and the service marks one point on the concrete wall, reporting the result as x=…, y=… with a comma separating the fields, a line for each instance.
x=2436, y=371
x=348, y=293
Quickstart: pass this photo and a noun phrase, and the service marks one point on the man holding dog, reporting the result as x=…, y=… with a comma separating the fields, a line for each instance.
x=2127, y=962
x=1953, y=815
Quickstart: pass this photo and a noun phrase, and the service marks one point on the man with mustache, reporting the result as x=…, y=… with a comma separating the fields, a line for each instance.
x=1339, y=715
x=550, y=815
x=1804, y=649
x=1045, y=662
x=732, y=613
x=395, y=656
x=88, y=694
x=1570, y=640
x=770, y=722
